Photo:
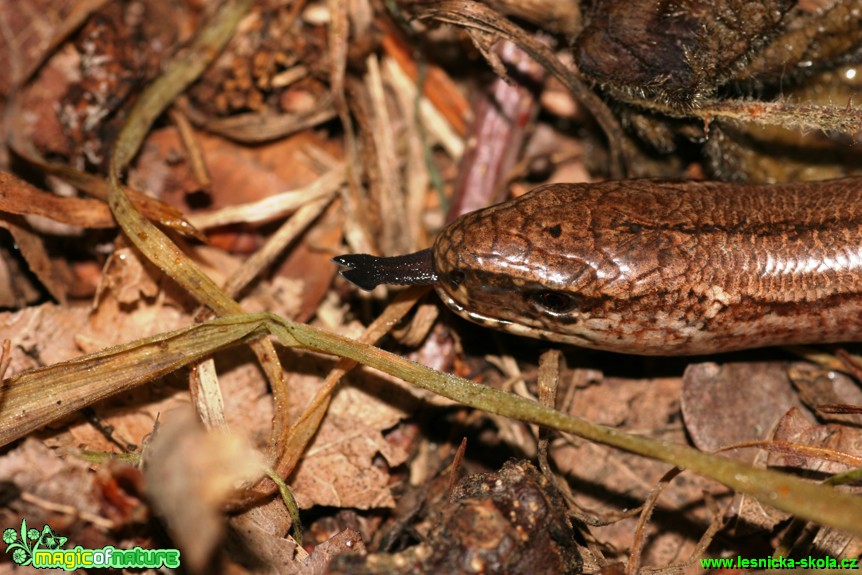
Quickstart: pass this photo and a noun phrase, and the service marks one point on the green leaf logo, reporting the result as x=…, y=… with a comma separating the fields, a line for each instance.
x=50, y=540
x=22, y=547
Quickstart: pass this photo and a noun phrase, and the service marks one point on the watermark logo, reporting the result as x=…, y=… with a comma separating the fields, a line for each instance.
x=44, y=550
x=30, y=540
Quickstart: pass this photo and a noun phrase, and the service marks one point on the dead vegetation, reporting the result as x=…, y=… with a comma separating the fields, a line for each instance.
x=179, y=175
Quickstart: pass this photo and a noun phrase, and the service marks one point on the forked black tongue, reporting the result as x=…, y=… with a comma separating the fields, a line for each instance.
x=367, y=272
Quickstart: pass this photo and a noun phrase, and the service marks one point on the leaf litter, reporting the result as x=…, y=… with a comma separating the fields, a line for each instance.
x=325, y=125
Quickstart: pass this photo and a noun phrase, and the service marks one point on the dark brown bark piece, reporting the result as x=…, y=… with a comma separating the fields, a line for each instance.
x=673, y=50
x=813, y=37
x=513, y=521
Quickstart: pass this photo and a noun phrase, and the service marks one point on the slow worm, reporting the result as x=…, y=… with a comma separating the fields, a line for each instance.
x=651, y=267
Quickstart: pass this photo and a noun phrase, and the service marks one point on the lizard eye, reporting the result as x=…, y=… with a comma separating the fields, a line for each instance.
x=553, y=302
x=456, y=278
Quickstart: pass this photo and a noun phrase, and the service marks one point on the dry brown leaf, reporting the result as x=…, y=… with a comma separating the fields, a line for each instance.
x=17, y=288
x=58, y=490
x=240, y=174
x=19, y=197
x=338, y=468
x=34, y=26
x=310, y=263
x=611, y=482
x=723, y=406
x=54, y=273
x=259, y=550
x=42, y=335
x=131, y=304
x=124, y=423
x=795, y=428
x=347, y=541
x=818, y=386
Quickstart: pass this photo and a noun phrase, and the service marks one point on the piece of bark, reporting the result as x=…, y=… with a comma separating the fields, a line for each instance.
x=674, y=51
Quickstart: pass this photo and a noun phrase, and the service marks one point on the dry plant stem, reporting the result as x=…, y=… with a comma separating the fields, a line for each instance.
x=504, y=113
x=272, y=207
x=549, y=378
x=154, y=244
x=339, y=32
x=440, y=90
x=203, y=380
x=5, y=359
x=29, y=401
x=842, y=119
x=290, y=503
x=800, y=450
x=100, y=522
x=290, y=76
x=549, y=15
x=715, y=525
x=839, y=409
x=95, y=186
x=33, y=399
x=179, y=74
x=586, y=518
x=418, y=130
x=431, y=126
x=194, y=153
x=477, y=16
x=308, y=423
x=640, y=539
x=388, y=185
x=259, y=128
x=851, y=363
x=276, y=244
x=206, y=395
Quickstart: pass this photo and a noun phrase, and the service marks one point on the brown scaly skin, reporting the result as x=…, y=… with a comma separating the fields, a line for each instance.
x=663, y=268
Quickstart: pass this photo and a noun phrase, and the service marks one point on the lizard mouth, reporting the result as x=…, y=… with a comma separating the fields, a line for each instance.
x=509, y=326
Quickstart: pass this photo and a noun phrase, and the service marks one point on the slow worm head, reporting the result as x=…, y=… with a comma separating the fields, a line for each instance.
x=660, y=268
